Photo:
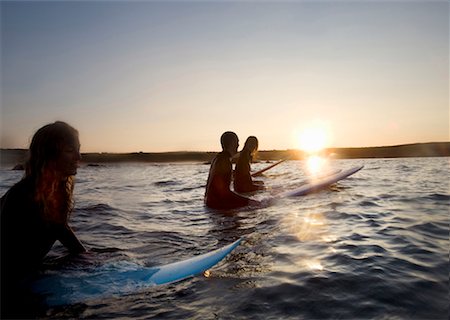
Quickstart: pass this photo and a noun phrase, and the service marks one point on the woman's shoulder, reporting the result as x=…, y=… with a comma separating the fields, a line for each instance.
x=244, y=156
x=20, y=191
x=22, y=186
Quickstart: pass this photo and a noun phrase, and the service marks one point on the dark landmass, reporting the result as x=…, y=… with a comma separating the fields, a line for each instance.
x=180, y=156
x=434, y=149
x=15, y=157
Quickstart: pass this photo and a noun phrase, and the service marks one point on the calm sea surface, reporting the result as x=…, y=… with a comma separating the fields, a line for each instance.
x=373, y=246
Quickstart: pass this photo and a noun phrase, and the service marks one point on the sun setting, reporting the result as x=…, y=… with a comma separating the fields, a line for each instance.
x=314, y=138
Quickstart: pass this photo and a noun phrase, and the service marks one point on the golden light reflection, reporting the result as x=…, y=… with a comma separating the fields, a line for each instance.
x=329, y=238
x=309, y=227
x=207, y=274
x=314, y=265
x=313, y=221
x=332, y=250
x=315, y=164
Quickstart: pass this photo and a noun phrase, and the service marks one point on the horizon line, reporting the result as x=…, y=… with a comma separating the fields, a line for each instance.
x=266, y=150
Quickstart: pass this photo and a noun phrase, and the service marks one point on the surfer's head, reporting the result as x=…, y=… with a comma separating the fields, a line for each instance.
x=54, y=147
x=230, y=142
x=251, y=144
x=54, y=156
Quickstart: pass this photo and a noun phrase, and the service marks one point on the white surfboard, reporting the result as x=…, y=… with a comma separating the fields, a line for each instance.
x=320, y=183
x=259, y=172
x=117, y=279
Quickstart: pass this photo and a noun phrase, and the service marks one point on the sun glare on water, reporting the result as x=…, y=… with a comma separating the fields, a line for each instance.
x=315, y=164
x=312, y=140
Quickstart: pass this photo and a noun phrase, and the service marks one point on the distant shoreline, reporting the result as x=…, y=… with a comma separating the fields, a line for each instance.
x=432, y=149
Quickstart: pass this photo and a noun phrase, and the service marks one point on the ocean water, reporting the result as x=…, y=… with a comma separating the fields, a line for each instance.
x=373, y=246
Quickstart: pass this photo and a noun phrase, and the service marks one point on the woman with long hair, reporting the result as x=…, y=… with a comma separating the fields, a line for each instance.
x=36, y=210
x=242, y=177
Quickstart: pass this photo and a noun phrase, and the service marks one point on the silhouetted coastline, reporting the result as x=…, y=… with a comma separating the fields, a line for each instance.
x=15, y=157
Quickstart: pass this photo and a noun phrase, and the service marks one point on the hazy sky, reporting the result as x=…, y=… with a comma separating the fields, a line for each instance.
x=168, y=76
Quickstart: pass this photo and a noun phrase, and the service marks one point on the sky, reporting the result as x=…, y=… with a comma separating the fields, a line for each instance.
x=156, y=76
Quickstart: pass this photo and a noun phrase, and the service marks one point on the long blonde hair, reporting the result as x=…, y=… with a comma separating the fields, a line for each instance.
x=53, y=191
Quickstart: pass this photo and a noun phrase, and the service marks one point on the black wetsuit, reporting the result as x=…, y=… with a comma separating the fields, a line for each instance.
x=25, y=240
x=218, y=194
x=242, y=178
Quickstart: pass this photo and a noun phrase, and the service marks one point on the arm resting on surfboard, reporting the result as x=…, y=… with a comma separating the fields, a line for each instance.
x=259, y=172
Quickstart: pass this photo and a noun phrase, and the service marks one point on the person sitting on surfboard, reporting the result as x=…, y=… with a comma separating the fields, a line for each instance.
x=242, y=178
x=218, y=194
x=35, y=211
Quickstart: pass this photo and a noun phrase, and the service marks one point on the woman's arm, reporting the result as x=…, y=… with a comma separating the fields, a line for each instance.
x=70, y=240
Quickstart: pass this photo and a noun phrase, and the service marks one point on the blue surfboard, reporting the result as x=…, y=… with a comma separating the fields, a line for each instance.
x=117, y=279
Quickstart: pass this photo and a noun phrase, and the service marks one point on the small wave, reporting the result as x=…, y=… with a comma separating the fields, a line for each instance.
x=418, y=254
x=190, y=188
x=387, y=196
x=357, y=237
x=108, y=229
x=438, y=197
x=404, y=168
x=362, y=250
x=98, y=208
x=368, y=203
x=166, y=183
x=431, y=229
x=105, y=250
